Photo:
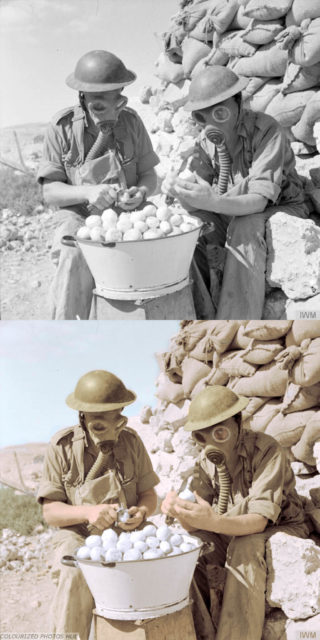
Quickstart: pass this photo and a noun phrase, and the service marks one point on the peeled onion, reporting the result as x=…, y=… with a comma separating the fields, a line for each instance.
x=93, y=221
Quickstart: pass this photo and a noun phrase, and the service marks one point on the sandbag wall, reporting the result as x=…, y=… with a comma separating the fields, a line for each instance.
x=276, y=364
x=274, y=43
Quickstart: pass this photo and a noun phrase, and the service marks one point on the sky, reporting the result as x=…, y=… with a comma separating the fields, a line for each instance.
x=41, y=41
x=41, y=362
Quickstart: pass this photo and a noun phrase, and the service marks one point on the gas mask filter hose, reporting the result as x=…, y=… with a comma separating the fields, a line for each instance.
x=218, y=459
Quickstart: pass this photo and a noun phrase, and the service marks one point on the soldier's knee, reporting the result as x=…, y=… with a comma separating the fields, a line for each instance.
x=244, y=549
x=243, y=229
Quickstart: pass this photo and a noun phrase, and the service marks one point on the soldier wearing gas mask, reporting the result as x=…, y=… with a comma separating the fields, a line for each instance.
x=244, y=172
x=91, y=470
x=244, y=492
x=91, y=151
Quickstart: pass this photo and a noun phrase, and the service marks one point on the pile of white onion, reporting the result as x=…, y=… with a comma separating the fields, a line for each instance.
x=144, y=224
x=143, y=544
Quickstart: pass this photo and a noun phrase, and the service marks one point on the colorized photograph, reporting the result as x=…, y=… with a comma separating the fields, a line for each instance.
x=159, y=478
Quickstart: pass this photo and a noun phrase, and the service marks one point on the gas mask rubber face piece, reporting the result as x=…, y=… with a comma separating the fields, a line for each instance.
x=104, y=106
x=105, y=427
x=221, y=438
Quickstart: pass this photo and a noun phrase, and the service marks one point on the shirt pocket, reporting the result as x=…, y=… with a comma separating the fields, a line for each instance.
x=128, y=161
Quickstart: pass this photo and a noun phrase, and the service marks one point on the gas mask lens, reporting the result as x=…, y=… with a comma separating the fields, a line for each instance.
x=220, y=434
x=198, y=117
x=220, y=113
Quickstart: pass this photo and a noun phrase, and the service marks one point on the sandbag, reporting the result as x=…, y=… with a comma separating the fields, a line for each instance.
x=303, y=130
x=262, y=352
x=233, y=364
x=297, y=78
x=191, y=15
x=267, y=329
x=220, y=334
x=216, y=56
x=263, y=96
x=233, y=44
x=297, y=398
x=260, y=32
x=267, y=9
x=221, y=13
x=192, y=51
x=216, y=376
x=203, y=31
x=240, y=21
x=306, y=50
x=288, y=429
x=302, y=330
x=269, y=61
x=253, y=405
x=192, y=371
x=263, y=416
x=168, y=71
x=303, y=450
x=253, y=85
x=240, y=341
x=288, y=109
x=269, y=381
x=301, y=10
x=167, y=390
x=190, y=335
x=306, y=370
x=172, y=44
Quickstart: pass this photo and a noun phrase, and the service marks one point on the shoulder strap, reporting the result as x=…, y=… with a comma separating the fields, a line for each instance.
x=78, y=442
x=78, y=122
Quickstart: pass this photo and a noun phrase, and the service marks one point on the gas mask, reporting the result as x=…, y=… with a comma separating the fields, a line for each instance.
x=219, y=114
x=104, y=428
x=104, y=107
x=219, y=443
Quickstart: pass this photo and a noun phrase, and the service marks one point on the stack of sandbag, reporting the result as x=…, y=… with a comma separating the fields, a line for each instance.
x=273, y=43
x=275, y=363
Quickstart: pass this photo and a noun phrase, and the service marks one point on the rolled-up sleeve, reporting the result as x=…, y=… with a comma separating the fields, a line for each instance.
x=51, y=166
x=146, y=157
x=147, y=478
x=51, y=485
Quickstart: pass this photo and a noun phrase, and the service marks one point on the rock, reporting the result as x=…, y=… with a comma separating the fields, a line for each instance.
x=146, y=94
x=35, y=604
x=176, y=94
x=163, y=143
x=35, y=284
x=303, y=309
x=176, y=415
x=293, y=581
x=287, y=238
x=145, y=414
x=316, y=454
x=302, y=629
x=316, y=134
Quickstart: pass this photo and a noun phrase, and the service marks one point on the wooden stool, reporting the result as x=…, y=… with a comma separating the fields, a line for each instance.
x=173, y=306
x=173, y=626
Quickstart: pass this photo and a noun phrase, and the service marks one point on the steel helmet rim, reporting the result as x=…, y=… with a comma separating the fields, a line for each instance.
x=194, y=424
x=74, y=400
x=99, y=71
x=210, y=101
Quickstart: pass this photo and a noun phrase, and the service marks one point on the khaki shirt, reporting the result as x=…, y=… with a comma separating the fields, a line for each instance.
x=62, y=475
x=263, y=481
x=263, y=162
x=130, y=133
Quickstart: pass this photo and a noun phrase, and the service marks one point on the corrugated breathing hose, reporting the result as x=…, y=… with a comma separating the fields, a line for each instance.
x=101, y=144
x=98, y=466
x=217, y=457
x=215, y=136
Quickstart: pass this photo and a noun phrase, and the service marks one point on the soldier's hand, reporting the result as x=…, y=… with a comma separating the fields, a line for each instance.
x=137, y=515
x=102, y=516
x=101, y=196
x=131, y=198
